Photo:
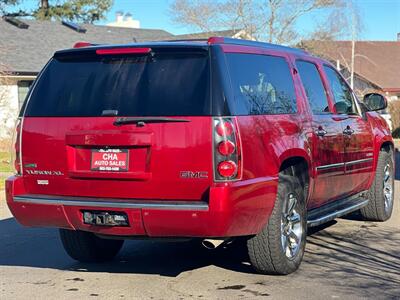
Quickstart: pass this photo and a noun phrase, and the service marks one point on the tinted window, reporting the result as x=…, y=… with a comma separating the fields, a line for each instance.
x=342, y=94
x=167, y=84
x=313, y=86
x=261, y=84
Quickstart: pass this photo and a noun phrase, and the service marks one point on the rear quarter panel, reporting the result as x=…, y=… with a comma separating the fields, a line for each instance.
x=268, y=140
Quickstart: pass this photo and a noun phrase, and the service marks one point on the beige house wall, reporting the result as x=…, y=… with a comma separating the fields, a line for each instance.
x=9, y=104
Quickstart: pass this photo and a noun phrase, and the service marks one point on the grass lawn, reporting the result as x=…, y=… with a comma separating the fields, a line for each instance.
x=397, y=143
x=2, y=181
x=5, y=165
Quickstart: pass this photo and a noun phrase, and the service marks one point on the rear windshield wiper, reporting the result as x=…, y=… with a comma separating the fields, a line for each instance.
x=141, y=121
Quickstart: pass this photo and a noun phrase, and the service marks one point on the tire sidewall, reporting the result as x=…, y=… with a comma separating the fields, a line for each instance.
x=291, y=185
x=387, y=158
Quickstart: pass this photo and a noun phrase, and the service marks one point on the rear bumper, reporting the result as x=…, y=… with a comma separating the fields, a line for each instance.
x=234, y=209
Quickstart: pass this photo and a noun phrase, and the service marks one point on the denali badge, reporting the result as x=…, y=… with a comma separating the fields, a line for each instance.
x=190, y=174
x=44, y=172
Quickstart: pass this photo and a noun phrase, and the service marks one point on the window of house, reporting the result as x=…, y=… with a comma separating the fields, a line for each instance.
x=23, y=89
x=313, y=86
x=262, y=84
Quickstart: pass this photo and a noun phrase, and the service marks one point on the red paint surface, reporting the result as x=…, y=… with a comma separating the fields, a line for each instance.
x=158, y=153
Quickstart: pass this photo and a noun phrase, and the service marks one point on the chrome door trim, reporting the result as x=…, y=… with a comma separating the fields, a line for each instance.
x=331, y=166
x=349, y=163
x=359, y=161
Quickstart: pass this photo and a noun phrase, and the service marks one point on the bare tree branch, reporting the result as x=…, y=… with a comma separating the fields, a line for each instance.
x=271, y=20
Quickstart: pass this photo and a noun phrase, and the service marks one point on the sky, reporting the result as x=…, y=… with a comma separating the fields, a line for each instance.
x=381, y=18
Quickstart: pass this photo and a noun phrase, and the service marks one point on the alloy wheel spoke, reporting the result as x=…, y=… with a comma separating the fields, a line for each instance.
x=387, y=177
x=292, y=201
x=295, y=218
x=293, y=236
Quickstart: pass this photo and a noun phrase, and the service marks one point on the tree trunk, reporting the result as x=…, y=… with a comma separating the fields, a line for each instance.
x=44, y=9
x=44, y=4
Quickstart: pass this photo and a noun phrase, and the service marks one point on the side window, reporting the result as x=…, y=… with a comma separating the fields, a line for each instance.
x=261, y=84
x=344, y=102
x=313, y=86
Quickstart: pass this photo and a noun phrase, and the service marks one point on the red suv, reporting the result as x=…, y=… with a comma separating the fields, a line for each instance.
x=211, y=139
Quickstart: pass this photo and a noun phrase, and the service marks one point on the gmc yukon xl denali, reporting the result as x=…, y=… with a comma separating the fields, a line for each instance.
x=215, y=140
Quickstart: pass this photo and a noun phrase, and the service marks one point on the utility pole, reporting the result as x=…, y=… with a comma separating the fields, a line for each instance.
x=353, y=45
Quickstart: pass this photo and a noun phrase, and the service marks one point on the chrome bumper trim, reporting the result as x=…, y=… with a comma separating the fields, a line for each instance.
x=112, y=203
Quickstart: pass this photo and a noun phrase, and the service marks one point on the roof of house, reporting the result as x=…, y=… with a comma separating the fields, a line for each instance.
x=376, y=61
x=28, y=50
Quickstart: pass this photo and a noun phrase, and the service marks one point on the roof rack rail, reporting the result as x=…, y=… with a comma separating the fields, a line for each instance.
x=16, y=22
x=233, y=41
x=187, y=40
x=73, y=26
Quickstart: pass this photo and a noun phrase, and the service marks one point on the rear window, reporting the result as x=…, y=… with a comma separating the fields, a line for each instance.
x=165, y=84
x=261, y=84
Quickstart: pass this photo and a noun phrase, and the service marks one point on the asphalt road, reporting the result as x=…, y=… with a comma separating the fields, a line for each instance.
x=345, y=259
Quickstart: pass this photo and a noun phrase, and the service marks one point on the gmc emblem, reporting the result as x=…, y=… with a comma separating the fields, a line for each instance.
x=194, y=175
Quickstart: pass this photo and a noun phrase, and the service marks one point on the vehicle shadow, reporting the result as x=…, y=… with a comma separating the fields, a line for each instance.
x=41, y=248
x=340, y=255
x=357, y=260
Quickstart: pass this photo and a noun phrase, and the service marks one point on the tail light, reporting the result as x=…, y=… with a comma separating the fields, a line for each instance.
x=17, y=148
x=227, y=150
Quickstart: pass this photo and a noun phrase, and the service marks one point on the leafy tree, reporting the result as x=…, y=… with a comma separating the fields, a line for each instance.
x=87, y=11
x=5, y=4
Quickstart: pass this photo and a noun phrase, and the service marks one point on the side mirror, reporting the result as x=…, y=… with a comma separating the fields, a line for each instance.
x=375, y=101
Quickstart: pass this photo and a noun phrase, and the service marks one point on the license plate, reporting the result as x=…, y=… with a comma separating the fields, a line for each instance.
x=115, y=160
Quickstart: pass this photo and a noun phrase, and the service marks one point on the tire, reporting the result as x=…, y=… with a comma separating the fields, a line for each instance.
x=267, y=251
x=380, y=207
x=86, y=247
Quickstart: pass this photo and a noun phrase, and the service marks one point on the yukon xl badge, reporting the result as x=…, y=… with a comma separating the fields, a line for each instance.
x=194, y=175
x=44, y=172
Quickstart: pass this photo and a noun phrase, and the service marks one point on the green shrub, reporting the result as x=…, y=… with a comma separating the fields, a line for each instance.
x=396, y=133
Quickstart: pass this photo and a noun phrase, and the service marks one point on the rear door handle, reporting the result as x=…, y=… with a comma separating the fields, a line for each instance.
x=320, y=131
x=348, y=131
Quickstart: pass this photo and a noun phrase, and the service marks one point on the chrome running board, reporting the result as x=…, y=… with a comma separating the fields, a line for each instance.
x=336, y=209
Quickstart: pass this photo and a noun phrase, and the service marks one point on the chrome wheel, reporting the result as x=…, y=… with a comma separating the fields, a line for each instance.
x=291, y=227
x=387, y=187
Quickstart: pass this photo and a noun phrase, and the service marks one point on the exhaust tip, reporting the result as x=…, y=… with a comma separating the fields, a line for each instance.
x=211, y=244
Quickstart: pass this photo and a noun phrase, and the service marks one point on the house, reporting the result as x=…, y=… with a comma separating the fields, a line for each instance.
x=376, y=63
x=124, y=20
x=26, y=46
